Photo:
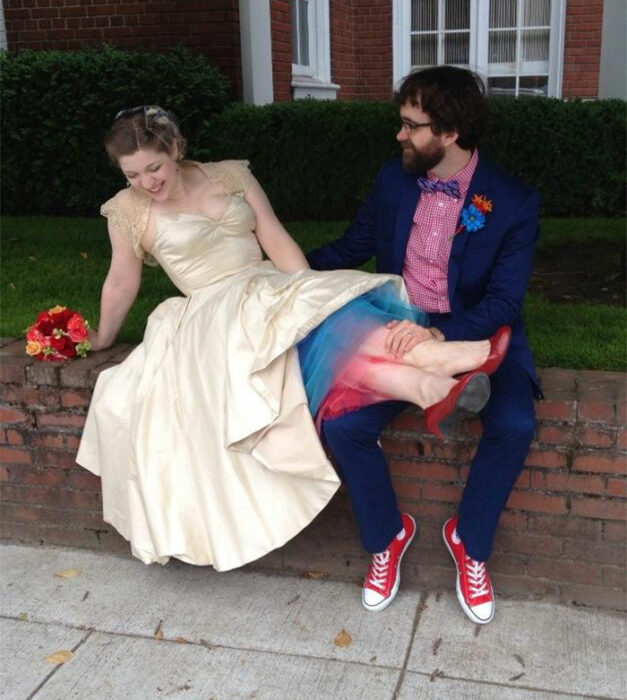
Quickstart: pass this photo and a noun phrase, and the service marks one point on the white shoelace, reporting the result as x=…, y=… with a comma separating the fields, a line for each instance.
x=378, y=572
x=477, y=580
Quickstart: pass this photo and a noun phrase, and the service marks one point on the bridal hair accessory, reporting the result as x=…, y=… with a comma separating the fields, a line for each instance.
x=159, y=122
x=57, y=334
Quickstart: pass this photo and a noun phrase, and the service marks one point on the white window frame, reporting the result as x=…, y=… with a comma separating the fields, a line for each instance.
x=314, y=79
x=479, y=38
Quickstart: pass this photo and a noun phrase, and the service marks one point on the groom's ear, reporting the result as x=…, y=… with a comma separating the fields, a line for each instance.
x=449, y=137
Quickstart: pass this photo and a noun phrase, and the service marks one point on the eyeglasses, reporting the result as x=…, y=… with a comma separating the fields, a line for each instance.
x=410, y=127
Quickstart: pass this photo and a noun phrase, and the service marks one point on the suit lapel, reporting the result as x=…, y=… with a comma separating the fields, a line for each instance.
x=478, y=185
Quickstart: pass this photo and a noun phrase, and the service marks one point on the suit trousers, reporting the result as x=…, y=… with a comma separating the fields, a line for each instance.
x=508, y=425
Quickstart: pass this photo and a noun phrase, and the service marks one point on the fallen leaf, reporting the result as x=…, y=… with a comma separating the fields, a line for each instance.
x=515, y=678
x=293, y=600
x=158, y=631
x=477, y=630
x=436, y=645
x=436, y=674
x=181, y=640
x=313, y=574
x=85, y=596
x=67, y=573
x=23, y=617
x=343, y=639
x=519, y=658
x=373, y=659
x=60, y=657
x=84, y=255
x=11, y=285
x=159, y=635
x=206, y=644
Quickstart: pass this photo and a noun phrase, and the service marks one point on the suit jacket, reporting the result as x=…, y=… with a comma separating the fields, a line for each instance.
x=489, y=269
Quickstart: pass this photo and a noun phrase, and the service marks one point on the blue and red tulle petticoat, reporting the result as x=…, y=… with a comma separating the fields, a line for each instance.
x=329, y=359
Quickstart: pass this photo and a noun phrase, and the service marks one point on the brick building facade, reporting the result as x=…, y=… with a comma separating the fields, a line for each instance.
x=347, y=49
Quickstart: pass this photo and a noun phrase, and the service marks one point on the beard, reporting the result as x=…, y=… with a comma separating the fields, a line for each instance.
x=418, y=161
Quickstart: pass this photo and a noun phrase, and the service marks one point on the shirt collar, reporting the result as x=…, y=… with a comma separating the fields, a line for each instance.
x=463, y=176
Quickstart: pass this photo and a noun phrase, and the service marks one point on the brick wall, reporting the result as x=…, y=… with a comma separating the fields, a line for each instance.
x=582, y=48
x=210, y=28
x=562, y=535
x=281, y=34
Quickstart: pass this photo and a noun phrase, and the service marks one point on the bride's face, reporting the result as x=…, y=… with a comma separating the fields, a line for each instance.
x=153, y=172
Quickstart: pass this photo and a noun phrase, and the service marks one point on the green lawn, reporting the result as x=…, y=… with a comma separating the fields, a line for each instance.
x=48, y=261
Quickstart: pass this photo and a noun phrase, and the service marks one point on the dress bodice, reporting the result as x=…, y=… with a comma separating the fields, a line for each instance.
x=196, y=250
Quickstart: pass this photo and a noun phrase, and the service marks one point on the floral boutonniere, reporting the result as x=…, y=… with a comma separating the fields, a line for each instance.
x=473, y=216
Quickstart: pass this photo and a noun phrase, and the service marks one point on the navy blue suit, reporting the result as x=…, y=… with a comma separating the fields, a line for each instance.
x=488, y=274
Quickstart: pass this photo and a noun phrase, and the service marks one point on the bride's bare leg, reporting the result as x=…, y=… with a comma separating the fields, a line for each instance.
x=434, y=356
x=403, y=382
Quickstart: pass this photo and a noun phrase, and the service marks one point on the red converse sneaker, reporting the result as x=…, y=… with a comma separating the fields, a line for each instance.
x=474, y=590
x=384, y=575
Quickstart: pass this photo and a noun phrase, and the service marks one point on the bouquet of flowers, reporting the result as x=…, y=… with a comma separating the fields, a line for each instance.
x=57, y=334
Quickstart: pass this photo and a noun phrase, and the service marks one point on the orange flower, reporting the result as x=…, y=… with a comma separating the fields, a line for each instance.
x=56, y=309
x=483, y=204
x=33, y=347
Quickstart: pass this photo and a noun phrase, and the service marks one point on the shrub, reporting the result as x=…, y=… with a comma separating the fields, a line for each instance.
x=317, y=160
x=57, y=106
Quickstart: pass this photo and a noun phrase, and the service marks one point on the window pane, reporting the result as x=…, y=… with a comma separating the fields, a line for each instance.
x=424, y=50
x=424, y=15
x=503, y=13
x=533, y=85
x=502, y=86
x=537, y=13
x=502, y=47
x=535, y=45
x=303, y=31
x=457, y=14
x=457, y=48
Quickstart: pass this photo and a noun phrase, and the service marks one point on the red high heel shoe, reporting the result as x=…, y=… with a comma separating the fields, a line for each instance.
x=499, y=343
x=471, y=393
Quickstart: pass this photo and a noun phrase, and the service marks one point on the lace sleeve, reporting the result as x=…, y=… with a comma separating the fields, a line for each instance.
x=233, y=176
x=127, y=213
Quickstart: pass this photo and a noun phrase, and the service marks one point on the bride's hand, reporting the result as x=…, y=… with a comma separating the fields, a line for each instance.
x=403, y=336
x=92, y=336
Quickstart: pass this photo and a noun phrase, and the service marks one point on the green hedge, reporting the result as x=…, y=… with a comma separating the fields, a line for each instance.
x=57, y=105
x=317, y=160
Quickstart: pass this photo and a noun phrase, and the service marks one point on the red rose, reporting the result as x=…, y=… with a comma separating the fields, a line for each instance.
x=76, y=328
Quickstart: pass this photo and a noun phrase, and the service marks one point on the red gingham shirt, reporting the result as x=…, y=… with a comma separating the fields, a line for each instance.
x=425, y=270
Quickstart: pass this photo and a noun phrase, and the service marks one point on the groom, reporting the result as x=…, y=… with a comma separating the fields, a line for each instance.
x=462, y=234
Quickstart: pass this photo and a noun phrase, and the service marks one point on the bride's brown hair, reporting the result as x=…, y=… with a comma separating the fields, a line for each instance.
x=148, y=126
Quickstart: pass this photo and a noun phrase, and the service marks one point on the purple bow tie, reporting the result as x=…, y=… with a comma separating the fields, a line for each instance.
x=450, y=187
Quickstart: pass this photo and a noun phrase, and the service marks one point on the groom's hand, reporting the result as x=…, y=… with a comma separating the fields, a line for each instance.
x=403, y=336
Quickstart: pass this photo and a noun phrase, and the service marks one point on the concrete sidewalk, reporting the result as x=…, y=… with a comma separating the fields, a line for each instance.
x=187, y=632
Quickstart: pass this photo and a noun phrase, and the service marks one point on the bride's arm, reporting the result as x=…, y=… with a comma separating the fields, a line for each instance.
x=276, y=242
x=118, y=291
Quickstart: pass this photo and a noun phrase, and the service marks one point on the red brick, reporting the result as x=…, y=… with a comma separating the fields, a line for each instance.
x=55, y=497
x=565, y=526
x=574, y=483
x=602, y=462
x=515, y=584
x=516, y=522
x=595, y=412
x=544, y=458
x=12, y=415
x=402, y=447
x=52, y=440
x=65, y=420
x=524, y=543
x=406, y=489
x=558, y=570
x=614, y=532
x=5, y=474
x=536, y=502
x=600, y=552
x=437, y=471
x=83, y=479
x=599, y=508
x=594, y=437
x=14, y=455
x=617, y=487
x=621, y=440
x=446, y=493
x=59, y=459
x=14, y=437
x=42, y=477
x=556, y=434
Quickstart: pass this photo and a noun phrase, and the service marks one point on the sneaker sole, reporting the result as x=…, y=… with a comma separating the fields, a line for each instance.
x=464, y=606
x=386, y=601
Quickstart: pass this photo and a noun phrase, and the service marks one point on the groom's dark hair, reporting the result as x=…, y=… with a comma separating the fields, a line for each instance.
x=454, y=99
